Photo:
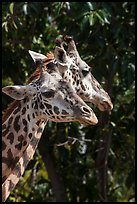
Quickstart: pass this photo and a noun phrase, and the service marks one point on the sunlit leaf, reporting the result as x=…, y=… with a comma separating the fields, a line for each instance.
x=90, y=5
x=11, y=8
x=5, y=25
x=25, y=8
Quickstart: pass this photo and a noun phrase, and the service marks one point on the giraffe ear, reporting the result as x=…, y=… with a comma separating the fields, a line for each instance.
x=18, y=92
x=37, y=56
x=71, y=46
x=60, y=55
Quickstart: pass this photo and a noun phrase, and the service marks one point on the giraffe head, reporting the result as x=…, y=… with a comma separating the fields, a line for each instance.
x=52, y=98
x=78, y=73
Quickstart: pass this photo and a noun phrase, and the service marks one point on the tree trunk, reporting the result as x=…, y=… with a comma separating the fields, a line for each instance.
x=56, y=180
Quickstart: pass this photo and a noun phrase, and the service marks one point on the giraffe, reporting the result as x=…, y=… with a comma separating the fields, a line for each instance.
x=78, y=74
x=47, y=96
x=85, y=84
x=75, y=71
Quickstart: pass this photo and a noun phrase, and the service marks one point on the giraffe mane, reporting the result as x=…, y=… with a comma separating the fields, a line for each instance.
x=34, y=75
x=9, y=110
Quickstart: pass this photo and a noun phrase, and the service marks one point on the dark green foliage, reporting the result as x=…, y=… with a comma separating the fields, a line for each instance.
x=104, y=33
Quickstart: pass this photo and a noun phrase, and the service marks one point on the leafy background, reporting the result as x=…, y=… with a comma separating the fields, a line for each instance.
x=101, y=168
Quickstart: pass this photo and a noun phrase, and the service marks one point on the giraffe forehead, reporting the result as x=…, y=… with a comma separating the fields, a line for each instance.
x=46, y=82
x=50, y=84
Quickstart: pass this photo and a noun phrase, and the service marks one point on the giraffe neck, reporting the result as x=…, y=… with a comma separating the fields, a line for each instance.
x=11, y=181
x=18, y=129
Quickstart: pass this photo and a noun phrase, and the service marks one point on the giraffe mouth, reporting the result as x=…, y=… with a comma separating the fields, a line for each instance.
x=105, y=106
x=86, y=120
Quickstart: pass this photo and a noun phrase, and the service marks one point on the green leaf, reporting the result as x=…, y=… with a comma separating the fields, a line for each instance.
x=11, y=8
x=91, y=20
x=104, y=16
x=100, y=18
x=5, y=25
x=25, y=8
x=90, y=5
x=44, y=174
x=14, y=24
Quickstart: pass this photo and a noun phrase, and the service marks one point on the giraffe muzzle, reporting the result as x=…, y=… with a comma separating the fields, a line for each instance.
x=87, y=116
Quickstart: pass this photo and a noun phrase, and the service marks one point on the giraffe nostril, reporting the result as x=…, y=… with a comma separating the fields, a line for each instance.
x=86, y=110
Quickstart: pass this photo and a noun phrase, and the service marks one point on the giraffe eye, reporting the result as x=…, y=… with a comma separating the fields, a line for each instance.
x=48, y=94
x=85, y=72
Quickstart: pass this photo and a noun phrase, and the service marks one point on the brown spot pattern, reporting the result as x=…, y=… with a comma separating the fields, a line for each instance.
x=56, y=110
x=10, y=120
x=10, y=137
x=10, y=161
x=23, y=111
x=41, y=106
x=17, y=109
x=16, y=125
x=3, y=145
x=18, y=146
x=30, y=135
x=48, y=105
x=64, y=112
x=24, y=122
x=5, y=132
x=35, y=105
x=28, y=117
x=20, y=138
x=33, y=115
x=24, y=143
x=3, y=126
x=38, y=122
